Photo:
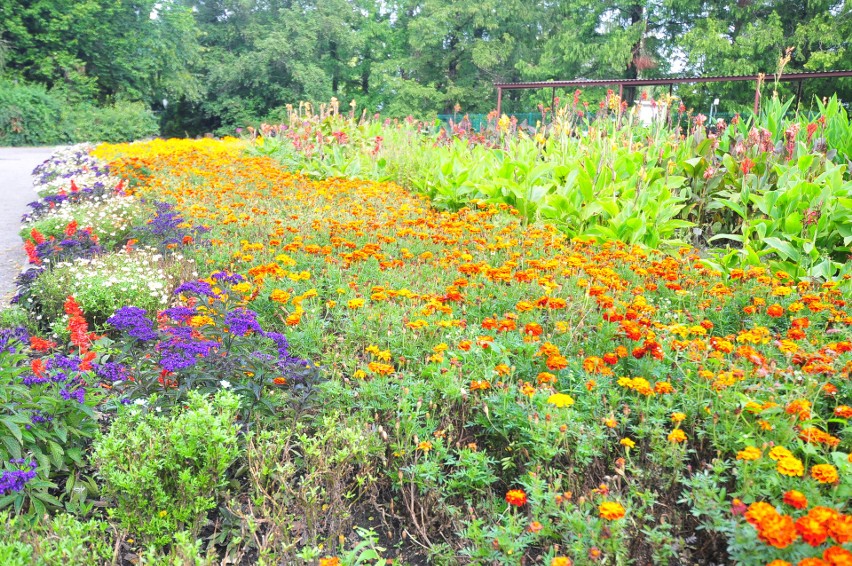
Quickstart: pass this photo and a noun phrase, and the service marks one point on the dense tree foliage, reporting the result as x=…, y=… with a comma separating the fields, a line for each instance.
x=225, y=63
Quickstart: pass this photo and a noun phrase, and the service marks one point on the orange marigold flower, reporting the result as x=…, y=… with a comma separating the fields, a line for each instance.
x=611, y=510
x=556, y=362
x=544, y=378
x=796, y=499
x=812, y=562
x=561, y=561
x=775, y=311
x=824, y=515
x=824, y=473
x=329, y=561
x=663, y=388
x=840, y=528
x=535, y=527
x=777, y=530
x=758, y=511
x=533, y=329
x=424, y=446
x=843, y=411
x=811, y=530
x=779, y=563
x=837, y=556
x=516, y=497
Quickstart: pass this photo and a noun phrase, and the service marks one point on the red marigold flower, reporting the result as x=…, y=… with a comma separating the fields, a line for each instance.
x=811, y=530
x=775, y=311
x=796, y=499
x=516, y=497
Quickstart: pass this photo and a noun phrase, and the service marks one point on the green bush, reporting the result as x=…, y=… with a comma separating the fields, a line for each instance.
x=29, y=115
x=164, y=472
x=120, y=122
x=32, y=115
x=29, y=540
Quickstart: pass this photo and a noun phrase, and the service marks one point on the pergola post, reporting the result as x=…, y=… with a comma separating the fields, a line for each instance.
x=757, y=97
x=499, y=101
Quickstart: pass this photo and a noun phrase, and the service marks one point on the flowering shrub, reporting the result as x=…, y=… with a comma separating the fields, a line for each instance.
x=101, y=284
x=211, y=342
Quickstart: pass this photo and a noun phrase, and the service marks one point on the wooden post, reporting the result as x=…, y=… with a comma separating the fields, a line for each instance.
x=499, y=101
x=799, y=95
x=757, y=97
x=552, y=104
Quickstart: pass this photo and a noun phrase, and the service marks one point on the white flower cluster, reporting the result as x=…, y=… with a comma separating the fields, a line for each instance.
x=132, y=274
x=72, y=162
x=106, y=212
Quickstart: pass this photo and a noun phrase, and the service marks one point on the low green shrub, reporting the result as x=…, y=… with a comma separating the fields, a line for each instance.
x=45, y=540
x=165, y=473
x=29, y=114
x=32, y=115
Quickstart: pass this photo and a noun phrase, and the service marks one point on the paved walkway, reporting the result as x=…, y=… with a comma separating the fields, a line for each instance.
x=16, y=191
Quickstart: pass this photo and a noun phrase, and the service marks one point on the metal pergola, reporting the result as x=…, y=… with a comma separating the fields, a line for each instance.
x=670, y=81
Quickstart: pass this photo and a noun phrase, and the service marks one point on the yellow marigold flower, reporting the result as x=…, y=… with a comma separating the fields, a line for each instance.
x=560, y=561
x=611, y=510
x=678, y=417
x=359, y=374
x=243, y=288
x=355, y=303
x=749, y=453
x=279, y=296
x=825, y=473
x=527, y=389
x=424, y=446
x=779, y=452
x=790, y=466
x=677, y=436
x=627, y=443
x=610, y=422
x=560, y=400
x=329, y=561
x=380, y=368
x=198, y=321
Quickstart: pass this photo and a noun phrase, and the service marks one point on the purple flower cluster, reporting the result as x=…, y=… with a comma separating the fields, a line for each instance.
x=78, y=394
x=134, y=322
x=111, y=371
x=15, y=480
x=242, y=321
x=167, y=228
x=12, y=338
x=196, y=287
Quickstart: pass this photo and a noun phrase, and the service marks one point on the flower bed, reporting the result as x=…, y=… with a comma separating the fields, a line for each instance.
x=491, y=391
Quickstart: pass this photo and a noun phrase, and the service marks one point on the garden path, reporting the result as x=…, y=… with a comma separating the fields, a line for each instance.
x=16, y=191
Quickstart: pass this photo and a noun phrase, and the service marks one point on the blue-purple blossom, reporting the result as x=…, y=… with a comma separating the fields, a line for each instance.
x=11, y=338
x=15, y=480
x=232, y=278
x=197, y=287
x=134, y=321
x=179, y=314
x=111, y=371
x=241, y=321
x=78, y=394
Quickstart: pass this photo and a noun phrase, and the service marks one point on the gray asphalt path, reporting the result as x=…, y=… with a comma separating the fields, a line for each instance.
x=16, y=191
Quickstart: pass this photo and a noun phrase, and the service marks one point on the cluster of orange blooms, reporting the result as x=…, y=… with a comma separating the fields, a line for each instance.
x=372, y=263
x=819, y=526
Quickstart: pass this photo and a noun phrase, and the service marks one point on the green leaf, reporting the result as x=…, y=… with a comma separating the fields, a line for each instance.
x=13, y=428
